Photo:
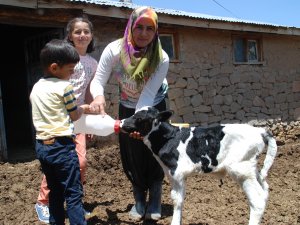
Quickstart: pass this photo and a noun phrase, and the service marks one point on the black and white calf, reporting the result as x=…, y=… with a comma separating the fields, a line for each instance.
x=230, y=149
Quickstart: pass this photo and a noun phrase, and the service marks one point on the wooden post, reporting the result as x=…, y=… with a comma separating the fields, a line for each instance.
x=3, y=146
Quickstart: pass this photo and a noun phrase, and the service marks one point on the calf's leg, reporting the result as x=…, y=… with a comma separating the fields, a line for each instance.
x=257, y=199
x=245, y=174
x=177, y=195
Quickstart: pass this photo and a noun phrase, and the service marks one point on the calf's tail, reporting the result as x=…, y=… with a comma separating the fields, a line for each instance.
x=271, y=153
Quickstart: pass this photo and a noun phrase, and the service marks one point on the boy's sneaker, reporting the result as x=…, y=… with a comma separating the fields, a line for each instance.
x=42, y=212
x=86, y=213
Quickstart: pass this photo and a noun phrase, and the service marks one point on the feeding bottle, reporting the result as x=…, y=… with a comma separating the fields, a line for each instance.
x=96, y=124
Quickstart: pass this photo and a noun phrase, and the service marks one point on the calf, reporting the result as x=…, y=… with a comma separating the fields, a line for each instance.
x=224, y=149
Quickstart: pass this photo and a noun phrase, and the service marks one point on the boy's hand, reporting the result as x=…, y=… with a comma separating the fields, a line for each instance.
x=85, y=108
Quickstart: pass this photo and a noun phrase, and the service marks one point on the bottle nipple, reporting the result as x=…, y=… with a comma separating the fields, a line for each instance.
x=117, y=126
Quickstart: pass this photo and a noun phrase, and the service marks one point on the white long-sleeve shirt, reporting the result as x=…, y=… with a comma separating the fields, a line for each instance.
x=149, y=93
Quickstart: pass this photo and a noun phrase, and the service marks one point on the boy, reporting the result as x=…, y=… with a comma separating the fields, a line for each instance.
x=53, y=110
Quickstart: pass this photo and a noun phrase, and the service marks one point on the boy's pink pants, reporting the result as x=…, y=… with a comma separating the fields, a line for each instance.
x=80, y=141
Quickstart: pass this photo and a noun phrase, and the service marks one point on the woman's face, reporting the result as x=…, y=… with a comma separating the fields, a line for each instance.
x=81, y=36
x=143, y=32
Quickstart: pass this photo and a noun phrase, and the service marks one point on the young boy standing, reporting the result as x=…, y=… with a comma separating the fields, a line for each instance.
x=53, y=110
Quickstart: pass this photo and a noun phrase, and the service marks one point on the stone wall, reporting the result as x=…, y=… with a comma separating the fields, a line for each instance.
x=207, y=88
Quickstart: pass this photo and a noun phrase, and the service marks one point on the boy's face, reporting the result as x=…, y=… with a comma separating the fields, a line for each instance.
x=62, y=72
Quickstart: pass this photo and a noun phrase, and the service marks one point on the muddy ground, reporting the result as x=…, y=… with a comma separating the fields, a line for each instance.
x=108, y=194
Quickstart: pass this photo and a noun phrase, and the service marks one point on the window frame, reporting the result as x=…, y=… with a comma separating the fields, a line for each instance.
x=175, y=42
x=246, y=41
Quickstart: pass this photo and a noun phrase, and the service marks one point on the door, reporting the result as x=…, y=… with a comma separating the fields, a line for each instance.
x=32, y=47
x=3, y=146
x=19, y=72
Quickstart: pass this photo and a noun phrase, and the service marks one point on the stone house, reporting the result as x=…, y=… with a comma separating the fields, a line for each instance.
x=222, y=70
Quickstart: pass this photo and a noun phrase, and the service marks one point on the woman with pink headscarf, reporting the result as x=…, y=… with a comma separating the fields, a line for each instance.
x=140, y=65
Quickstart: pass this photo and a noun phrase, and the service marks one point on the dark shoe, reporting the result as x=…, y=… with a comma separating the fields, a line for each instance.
x=154, y=207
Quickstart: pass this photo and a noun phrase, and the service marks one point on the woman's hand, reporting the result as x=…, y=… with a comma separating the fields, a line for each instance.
x=97, y=106
x=136, y=135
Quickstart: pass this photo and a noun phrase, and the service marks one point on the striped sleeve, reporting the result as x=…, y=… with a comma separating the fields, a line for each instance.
x=69, y=99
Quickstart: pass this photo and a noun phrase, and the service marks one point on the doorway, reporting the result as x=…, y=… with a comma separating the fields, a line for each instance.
x=15, y=86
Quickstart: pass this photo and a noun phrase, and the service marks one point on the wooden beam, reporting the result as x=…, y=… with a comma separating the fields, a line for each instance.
x=20, y=3
x=38, y=17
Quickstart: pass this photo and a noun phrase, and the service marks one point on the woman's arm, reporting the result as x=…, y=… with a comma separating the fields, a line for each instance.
x=154, y=83
x=88, y=96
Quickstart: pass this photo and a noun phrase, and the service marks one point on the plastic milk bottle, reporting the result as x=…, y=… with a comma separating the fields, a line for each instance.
x=96, y=124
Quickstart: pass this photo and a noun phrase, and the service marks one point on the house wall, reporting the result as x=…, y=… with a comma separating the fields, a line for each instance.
x=207, y=88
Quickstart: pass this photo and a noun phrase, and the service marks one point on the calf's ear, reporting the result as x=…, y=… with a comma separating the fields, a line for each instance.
x=165, y=115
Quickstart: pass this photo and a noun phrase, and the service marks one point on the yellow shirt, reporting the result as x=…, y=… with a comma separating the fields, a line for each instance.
x=52, y=99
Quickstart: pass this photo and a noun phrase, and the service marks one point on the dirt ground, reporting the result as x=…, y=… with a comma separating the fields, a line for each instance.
x=108, y=194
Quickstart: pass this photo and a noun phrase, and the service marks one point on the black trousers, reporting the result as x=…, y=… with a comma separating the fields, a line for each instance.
x=139, y=165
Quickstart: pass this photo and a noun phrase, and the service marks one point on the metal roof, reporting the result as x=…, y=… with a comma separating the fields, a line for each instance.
x=173, y=12
x=208, y=17
x=108, y=3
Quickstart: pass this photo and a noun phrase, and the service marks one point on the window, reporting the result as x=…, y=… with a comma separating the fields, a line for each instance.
x=247, y=49
x=169, y=43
